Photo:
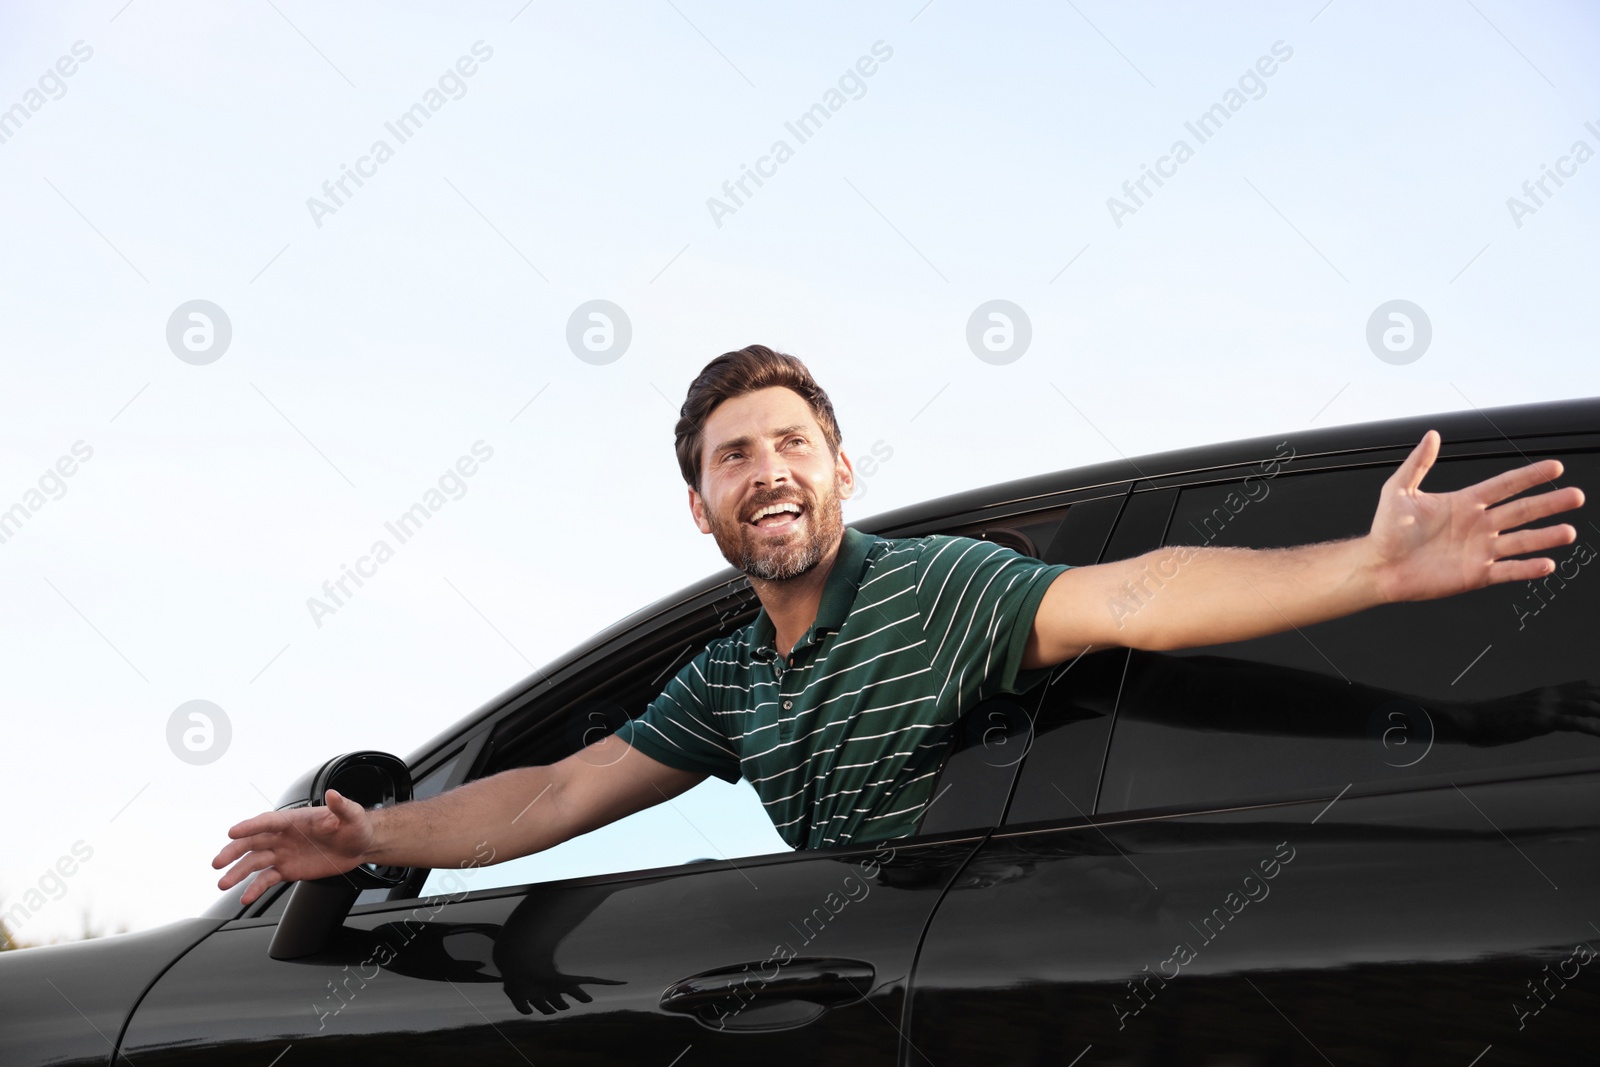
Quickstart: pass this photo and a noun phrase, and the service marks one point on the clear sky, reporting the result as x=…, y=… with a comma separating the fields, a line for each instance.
x=1335, y=157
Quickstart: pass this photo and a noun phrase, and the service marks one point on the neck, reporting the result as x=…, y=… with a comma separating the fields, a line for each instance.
x=792, y=604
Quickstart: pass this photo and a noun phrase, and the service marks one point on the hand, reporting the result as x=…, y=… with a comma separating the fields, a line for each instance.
x=288, y=846
x=1430, y=545
x=547, y=991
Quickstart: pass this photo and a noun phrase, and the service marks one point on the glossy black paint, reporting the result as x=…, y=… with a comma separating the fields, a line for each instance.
x=1398, y=929
x=580, y=971
x=67, y=1004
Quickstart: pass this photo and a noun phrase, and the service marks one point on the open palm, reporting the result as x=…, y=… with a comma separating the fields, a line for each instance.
x=1430, y=545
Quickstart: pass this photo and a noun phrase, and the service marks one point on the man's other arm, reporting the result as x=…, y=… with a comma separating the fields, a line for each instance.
x=1421, y=546
x=514, y=813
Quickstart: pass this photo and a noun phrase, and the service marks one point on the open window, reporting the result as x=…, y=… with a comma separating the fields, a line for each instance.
x=716, y=820
x=712, y=821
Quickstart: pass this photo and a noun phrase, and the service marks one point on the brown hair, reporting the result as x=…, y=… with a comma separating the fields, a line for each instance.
x=734, y=374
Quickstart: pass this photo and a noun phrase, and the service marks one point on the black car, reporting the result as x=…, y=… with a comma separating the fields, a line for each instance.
x=1374, y=840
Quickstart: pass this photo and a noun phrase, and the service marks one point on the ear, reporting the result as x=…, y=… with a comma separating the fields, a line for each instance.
x=697, y=508
x=846, y=474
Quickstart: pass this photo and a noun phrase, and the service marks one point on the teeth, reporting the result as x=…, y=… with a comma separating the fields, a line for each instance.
x=773, y=509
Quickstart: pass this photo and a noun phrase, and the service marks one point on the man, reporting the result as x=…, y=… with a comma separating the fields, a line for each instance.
x=837, y=701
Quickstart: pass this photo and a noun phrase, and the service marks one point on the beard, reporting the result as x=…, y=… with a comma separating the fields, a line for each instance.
x=778, y=559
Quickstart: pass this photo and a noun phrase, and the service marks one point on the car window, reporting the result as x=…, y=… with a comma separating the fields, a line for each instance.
x=713, y=820
x=976, y=778
x=1501, y=680
x=993, y=739
x=1062, y=771
x=1063, y=756
x=718, y=820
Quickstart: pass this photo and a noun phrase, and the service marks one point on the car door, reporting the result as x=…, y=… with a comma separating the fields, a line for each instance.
x=1370, y=840
x=785, y=957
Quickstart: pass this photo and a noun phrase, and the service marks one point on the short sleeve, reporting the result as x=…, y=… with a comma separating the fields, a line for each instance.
x=678, y=728
x=978, y=601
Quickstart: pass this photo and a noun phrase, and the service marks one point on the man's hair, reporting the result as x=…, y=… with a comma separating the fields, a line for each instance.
x=733, y=374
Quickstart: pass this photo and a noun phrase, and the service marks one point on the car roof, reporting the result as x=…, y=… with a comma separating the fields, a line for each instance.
x=1456, y=428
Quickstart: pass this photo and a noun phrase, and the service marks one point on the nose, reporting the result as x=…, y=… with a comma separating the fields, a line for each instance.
x=771, y=468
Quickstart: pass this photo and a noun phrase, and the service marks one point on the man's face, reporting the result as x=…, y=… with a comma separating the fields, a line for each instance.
x=766, y=448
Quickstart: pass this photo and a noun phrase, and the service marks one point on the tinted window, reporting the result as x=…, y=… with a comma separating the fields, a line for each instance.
x=992, y=738
x=989, y=744
x=1062, y=772
x=1499, y=680
x=1072, y=719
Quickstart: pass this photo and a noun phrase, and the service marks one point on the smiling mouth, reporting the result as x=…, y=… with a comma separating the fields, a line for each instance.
x=778, y=522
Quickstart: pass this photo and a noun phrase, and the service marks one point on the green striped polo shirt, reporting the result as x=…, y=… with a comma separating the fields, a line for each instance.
x=844, y=740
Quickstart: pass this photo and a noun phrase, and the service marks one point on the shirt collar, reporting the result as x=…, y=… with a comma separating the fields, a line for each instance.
x=838, y=595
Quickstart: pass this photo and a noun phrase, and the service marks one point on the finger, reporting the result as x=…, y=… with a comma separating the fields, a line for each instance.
x=266, y=822
x=1410, y=473
x=1510, y=483
x=229, y=853
x=234, y=849
x=1529, y=508
x=342, y=806
x=1520, y=570
x=263, y=882
x=1577, y=722
x=259, y=842
x=255, y=861
x=1535, y=540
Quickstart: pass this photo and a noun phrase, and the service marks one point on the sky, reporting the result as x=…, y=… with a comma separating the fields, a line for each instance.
x=222, y=374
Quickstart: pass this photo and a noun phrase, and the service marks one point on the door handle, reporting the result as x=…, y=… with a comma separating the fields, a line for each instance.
x=751, y=996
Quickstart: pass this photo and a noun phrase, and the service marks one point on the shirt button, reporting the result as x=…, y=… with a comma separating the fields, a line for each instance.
x=787, y=704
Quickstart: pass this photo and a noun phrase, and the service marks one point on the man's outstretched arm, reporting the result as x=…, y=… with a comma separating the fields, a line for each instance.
x=506, y=815
x=1421, y=546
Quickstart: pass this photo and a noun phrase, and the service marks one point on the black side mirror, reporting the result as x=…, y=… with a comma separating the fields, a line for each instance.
x=317, y=908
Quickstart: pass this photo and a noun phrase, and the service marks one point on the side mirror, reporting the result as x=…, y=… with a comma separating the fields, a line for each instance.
x=317, y=908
